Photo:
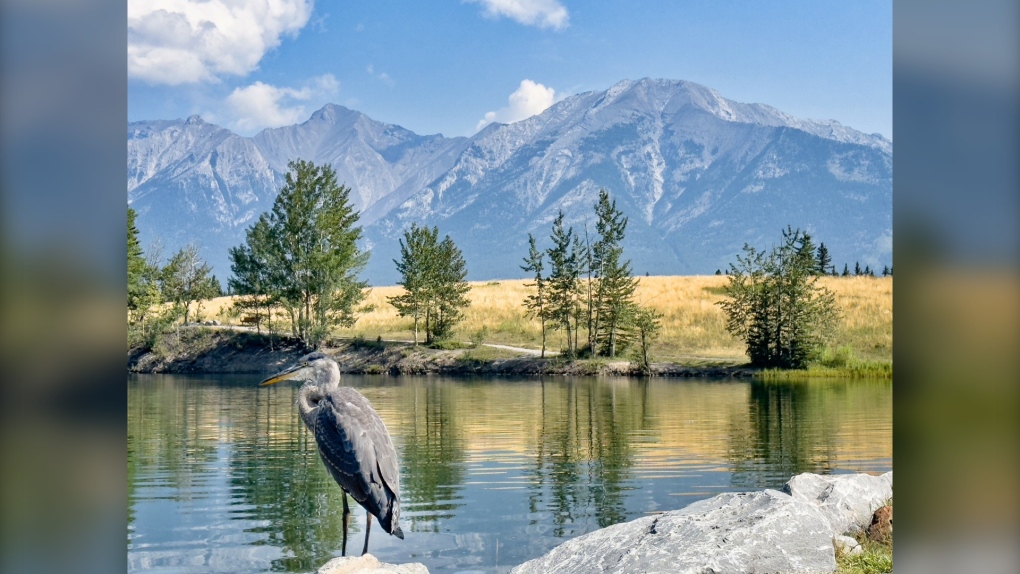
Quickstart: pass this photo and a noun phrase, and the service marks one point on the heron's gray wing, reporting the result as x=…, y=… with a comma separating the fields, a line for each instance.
x=358, y=452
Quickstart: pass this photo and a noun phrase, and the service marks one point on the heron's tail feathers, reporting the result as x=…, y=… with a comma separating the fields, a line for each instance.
x=397, y=532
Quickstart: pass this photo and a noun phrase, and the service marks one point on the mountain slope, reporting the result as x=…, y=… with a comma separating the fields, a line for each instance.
x=698, y=176
x=193, y=181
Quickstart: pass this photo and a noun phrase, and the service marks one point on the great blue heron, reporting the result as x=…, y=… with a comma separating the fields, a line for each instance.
x=353, y=441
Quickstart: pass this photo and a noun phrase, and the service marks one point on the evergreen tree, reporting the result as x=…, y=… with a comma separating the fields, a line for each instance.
x=616, y=285
x=846, y=270
x=775, y=306
x=564, y=282
x=448, y=275
x=718, y=271
x=857, y=268
x=536, y=303
x=143, y=291
x=433, y=276
x=135, y=263
x=867, y=271
x=824, y=260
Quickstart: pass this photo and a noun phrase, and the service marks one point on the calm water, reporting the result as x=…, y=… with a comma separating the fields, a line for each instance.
x=222, y=476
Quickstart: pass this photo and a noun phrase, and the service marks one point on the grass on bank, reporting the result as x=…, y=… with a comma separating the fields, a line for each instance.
x=693, y=326
x=874, y=558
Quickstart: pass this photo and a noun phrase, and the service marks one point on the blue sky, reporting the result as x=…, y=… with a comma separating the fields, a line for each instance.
x=449, y=66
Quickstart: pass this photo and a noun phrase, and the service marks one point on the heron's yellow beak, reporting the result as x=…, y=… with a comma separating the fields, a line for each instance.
x=283, y=376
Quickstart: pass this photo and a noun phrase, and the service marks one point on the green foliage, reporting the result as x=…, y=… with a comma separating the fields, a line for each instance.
x=824, y=260
x=614, y=284
x=644, y=328
x=564, y=285
x=433, y=276
x=303, y=255
x=478, y=337
x=136, y=266
x=186, y=279
x=536, y=304
x=775, y=305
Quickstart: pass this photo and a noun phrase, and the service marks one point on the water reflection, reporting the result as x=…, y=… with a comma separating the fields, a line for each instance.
x=223, y=476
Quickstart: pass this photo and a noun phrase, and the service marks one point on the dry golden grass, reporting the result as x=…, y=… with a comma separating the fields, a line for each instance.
x=693, y=325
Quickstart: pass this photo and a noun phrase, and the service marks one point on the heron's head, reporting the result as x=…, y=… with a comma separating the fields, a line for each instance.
x=316, y=368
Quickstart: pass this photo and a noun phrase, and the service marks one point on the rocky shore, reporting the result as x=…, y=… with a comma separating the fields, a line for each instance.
x=793, y=531
x=202, y=351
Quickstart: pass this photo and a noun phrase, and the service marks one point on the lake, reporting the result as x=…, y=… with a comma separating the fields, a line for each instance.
x=223, y=476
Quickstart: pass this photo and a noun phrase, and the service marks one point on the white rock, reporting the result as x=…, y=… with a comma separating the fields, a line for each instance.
x=731, y=533
x=368, y=564
x=847, y=501
x=847, y=545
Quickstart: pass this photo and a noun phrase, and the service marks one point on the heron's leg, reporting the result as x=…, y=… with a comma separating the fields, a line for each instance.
x=368, y=527
x=347, y=523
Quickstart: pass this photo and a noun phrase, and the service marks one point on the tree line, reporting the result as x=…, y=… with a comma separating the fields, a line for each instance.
x=302, y=259
x=589, y=286
x=159, y=294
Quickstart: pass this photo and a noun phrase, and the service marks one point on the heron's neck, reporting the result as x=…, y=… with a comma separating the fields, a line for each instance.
x=308, y=401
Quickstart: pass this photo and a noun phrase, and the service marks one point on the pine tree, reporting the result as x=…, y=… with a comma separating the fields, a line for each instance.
x=135, y=263
x=536, y=303
x=775, y=305
x=447, y=275
x=564, y=282
x=616, y=285
x=857, y=268
x=846, y=270
x=824, y=260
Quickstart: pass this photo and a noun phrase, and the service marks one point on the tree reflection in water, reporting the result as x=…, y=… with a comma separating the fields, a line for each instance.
x=582, y=452
x=432, y=455
x=797, y=427
x=223, y=476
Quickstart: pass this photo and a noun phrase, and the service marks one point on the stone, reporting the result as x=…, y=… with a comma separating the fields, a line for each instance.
x=368, y=564
x=847, y=501
x=847, y=545
x=732, y=533
x=880, y=528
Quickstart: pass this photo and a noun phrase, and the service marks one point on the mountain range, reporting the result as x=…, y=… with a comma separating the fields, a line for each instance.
x=698, y=176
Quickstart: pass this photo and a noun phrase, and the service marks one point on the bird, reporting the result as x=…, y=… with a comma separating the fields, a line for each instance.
x=352, y=440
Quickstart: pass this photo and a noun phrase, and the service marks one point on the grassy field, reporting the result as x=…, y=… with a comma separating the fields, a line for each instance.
x=693, y=326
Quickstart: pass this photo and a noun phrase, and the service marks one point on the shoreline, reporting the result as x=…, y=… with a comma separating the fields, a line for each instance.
x=208, y=351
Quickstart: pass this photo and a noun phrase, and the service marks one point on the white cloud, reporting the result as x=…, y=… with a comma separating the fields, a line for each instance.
x=266, y=106
x=541, y=13
x=529, y=99
x=187, y=41
x=381, y=76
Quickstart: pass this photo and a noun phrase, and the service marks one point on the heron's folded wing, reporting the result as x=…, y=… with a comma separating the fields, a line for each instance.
x=345, y=447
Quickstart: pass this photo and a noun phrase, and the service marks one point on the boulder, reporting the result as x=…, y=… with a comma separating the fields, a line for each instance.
x=731, y=533
x=368, y=564
x=880, y=529
x=847, y=501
